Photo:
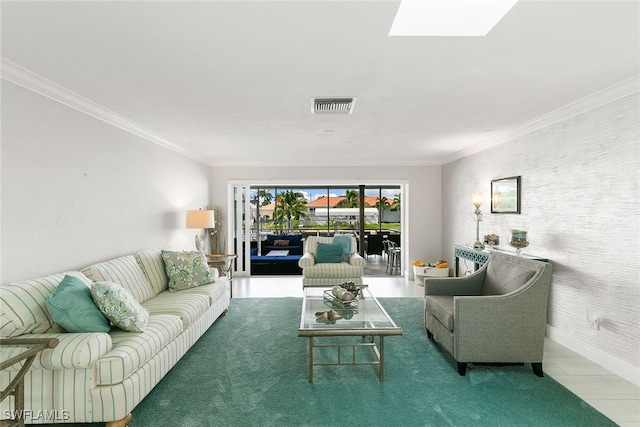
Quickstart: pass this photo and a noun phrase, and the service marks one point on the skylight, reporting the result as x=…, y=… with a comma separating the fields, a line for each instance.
x=448, y=18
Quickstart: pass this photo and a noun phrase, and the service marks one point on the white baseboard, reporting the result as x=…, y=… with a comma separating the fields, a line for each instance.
x=618, y=367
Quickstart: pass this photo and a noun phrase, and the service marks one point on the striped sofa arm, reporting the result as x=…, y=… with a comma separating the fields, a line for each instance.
x=74, y=351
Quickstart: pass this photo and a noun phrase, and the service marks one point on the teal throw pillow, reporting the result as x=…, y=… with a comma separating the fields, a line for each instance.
x=344, y=241
x=186, y=270
x=119, y=306
x=328, y=253
x=70, y=306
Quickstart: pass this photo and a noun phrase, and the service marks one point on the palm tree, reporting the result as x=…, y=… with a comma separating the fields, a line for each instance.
x=262, y=198
x=382, y=203
x=351, y=200
x=395, y=205
x=290, y=205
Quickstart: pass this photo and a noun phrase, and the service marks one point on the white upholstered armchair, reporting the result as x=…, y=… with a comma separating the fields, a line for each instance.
x=319, y=269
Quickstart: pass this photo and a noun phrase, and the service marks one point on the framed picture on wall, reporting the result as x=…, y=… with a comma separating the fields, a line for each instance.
x=505, y=195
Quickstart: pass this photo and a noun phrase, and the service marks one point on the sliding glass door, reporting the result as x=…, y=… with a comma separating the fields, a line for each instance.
x=264, y=211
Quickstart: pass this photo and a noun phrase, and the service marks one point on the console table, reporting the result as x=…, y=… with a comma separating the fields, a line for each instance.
x=479, y=257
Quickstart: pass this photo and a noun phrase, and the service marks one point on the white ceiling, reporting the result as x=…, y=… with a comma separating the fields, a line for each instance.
x=229, y=82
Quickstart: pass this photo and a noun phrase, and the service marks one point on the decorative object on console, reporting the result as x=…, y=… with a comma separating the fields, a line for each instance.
x=518, y=239
x=491, y=239
x=477, y=202
x=505, y=195
x=202, y=220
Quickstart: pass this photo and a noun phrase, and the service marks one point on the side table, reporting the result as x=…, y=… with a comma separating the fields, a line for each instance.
x=224, y=263
x=16, y=386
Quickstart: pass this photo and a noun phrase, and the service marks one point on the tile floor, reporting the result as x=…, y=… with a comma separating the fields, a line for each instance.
x=613, y=396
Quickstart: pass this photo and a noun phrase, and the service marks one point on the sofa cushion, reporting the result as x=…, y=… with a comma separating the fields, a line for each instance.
x=441, y=307
x=186, y=269
x=23, y=309
x=153, y=267
x=70, y=306
x=213, y=291
x=291, y=249
x=132, y=350
x=188, y=305
x=119, y=306
x=294, y=239
x=328, y=253
x=124, y=271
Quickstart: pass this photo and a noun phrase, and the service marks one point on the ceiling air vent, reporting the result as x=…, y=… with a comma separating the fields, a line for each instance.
x=332, y=105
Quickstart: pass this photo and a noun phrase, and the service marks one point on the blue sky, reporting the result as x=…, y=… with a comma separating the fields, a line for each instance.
x=313, y=194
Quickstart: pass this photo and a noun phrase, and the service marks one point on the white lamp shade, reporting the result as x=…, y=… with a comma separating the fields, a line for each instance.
x=201, y=219
x=477, y=199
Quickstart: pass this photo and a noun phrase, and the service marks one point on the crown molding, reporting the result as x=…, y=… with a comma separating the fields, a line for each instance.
x=16, y=74
x=619, y=90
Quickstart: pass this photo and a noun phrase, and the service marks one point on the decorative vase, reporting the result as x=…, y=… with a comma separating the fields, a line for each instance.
x=518, y=239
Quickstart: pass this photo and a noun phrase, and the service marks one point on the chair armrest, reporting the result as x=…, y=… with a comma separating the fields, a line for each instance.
x=468, y=285
x=516, y=325
x=307, y=260
x=356, y=260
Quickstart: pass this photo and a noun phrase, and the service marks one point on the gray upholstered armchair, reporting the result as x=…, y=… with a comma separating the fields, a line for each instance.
x=496, y=315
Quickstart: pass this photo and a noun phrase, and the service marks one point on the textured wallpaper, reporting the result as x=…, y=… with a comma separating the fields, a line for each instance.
x=580, y=204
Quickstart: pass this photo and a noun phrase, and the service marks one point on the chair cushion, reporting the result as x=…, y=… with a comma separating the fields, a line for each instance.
x=328, y=253
x=344, y=241
x=505, y=276
x=70, y=306
x=340, y=270
x=441, y=307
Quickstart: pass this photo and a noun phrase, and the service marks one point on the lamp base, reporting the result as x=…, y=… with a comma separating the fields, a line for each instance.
x=200, y=238
x=478, y=245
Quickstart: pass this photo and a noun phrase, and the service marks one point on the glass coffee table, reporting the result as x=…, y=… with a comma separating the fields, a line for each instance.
x=364, y=320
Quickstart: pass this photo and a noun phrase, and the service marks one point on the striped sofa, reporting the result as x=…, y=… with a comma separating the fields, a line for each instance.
x=329, y=274
x=101, y=377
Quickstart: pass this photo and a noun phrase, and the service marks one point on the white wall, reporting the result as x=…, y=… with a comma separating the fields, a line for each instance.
x=580, y=202
x=76, y=190
x=423, y=195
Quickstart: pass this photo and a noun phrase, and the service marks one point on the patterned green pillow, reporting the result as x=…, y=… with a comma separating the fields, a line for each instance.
x=186, y=269
x=119, y=306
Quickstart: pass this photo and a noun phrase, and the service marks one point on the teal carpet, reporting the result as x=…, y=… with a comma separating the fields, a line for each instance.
x=250, y=369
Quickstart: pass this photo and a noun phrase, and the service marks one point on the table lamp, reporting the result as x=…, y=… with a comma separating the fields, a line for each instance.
x=201, y=219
